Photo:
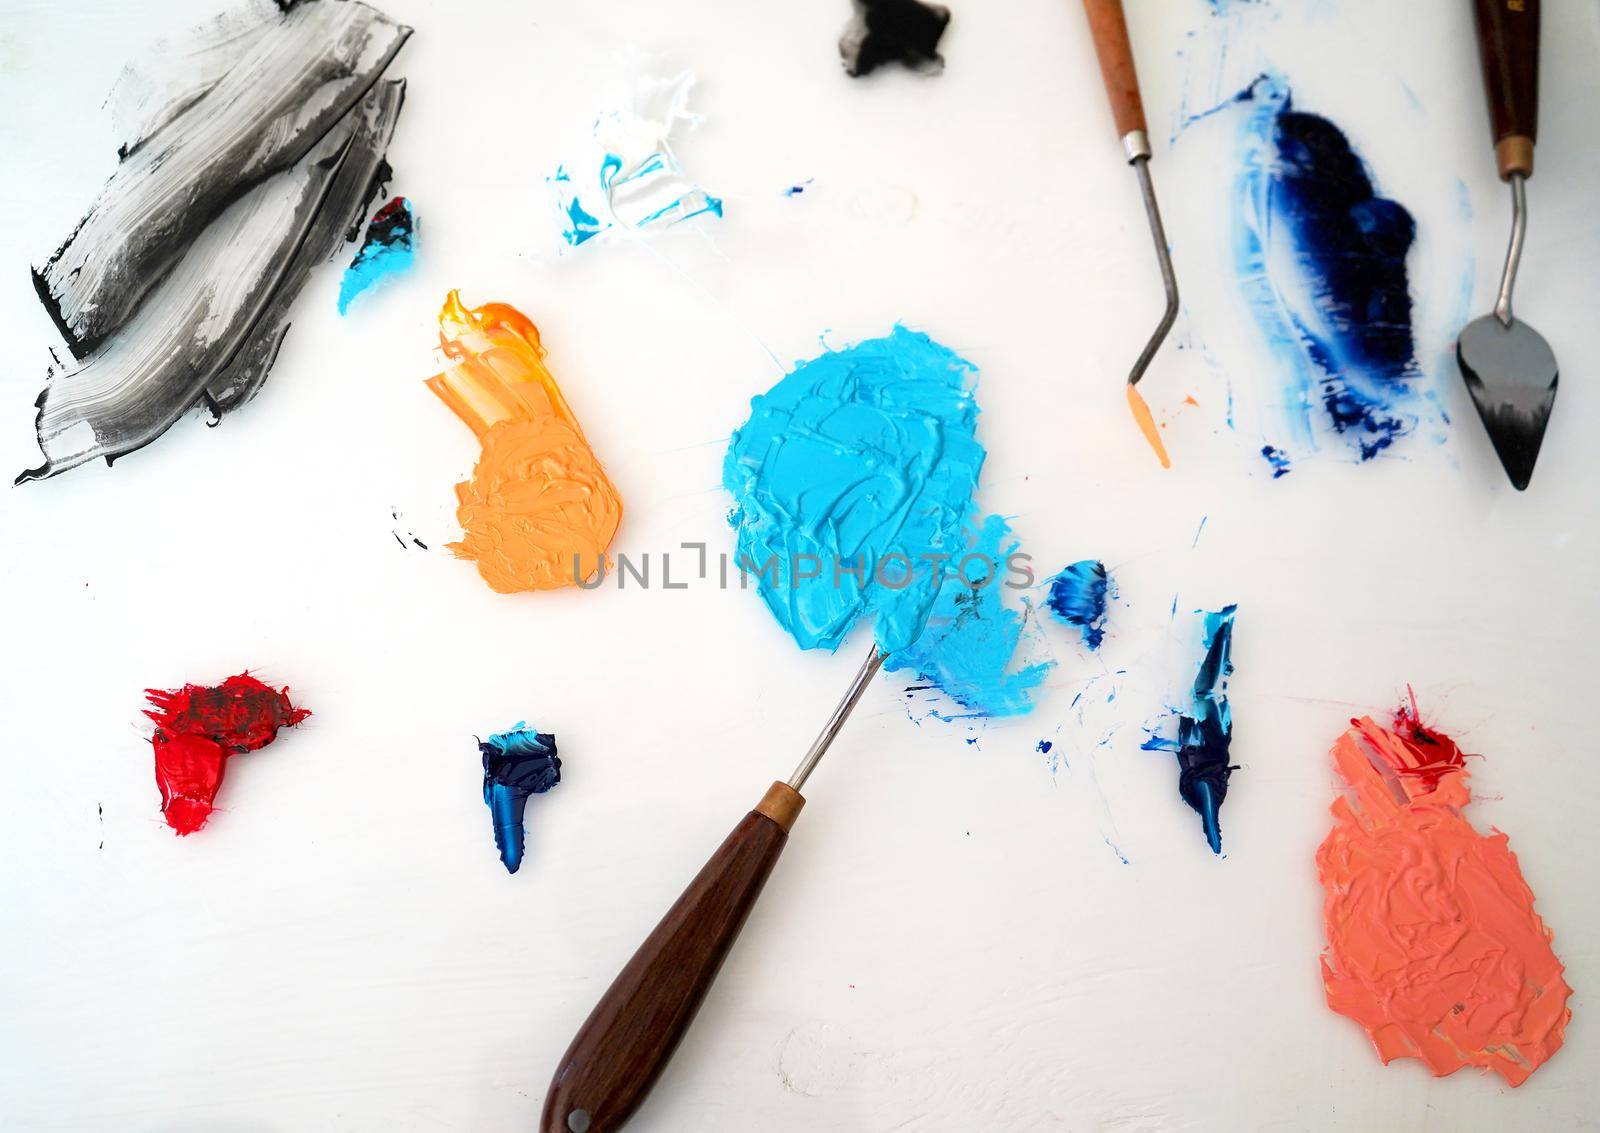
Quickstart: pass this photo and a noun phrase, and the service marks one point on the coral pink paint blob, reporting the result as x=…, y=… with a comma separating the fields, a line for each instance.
x=198, y=727
x=1433, y=943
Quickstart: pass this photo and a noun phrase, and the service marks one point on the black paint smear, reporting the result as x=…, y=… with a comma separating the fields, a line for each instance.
x=893, y=31
x=364, y=171
x=291, y=86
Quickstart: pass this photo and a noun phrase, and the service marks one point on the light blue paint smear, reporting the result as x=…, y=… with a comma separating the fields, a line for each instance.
x=852, y=472
x=971, y=639
x=1078, y=597
x=389, y=250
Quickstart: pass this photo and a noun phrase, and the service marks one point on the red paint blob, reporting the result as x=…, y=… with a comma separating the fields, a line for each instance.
x=198, y=727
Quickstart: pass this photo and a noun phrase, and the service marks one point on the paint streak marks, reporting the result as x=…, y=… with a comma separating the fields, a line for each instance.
x=1078, y=596
x=198, y=727
x=1434, y=946
x=1276, y=459
x=1322, y=258
x=893, y=31
x=389, y=250
x=1205, y=728
x=852, y=479
x=539, y=512
x=242, y=171
x=517, y=764
x=971, y=642
x=636, y=183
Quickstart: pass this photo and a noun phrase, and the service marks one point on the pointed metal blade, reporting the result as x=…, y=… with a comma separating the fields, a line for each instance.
x=1511, y=373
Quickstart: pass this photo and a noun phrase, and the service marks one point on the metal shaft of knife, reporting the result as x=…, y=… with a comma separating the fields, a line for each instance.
x=1519, y=233
x=1137, y=146
x=819, y=747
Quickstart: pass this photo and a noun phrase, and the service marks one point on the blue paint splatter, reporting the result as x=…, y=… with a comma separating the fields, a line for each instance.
x=852, y=478
x=389, y=249
x=971, y=638
x=1078, y=597
x=799, y=187
x=1277, y=459
x=1322, y=258
x=516, y=764
x=638, y=183
x=1044, y=747
x=1205, y=729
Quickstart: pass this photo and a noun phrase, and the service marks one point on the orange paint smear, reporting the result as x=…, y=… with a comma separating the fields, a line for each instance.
x=1147, y=424
x=1433, y=943
x=538, y=502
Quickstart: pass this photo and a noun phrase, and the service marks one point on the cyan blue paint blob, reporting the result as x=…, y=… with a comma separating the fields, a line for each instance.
x=516, y=764
x=1323, y=260
x=1276, y=459
x=852, y=474
x=1078, y=597
x=970, y=644
x=389, y=249
x=1205, y=729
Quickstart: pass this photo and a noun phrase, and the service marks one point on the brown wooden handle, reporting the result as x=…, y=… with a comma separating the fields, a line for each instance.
x=1508, y=42
x=623, y=1046
x=1109, y=28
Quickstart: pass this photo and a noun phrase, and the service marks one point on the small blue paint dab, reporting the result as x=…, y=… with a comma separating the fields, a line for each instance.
x=1044, y=747
x=796, y=189
x=1278, y=459
x=1078, y=597
x=517, y=764
x=389, y=249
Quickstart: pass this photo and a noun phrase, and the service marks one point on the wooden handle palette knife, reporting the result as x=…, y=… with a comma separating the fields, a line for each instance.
x=1508, y=367
x=628, y=1038
x=1109, y=27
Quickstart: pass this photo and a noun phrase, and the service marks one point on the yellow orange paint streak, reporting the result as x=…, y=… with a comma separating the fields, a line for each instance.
x=1147, y=424
x=538, y=499
x=1433, y=943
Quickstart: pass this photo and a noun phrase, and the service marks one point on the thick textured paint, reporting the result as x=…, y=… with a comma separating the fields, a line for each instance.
x=516, y=764
x=358, y=183
x=539, y=512
x=1322, y=258
x=262, y=109
x=1147, y=424
x=637, y=183
x=1434, y=946
x=198, y=727
x=134, y=387
x=893, y=31
x=969, y=647
x=1205, y=728
x=852, y=475
x=1078, y=597
x=389, y=249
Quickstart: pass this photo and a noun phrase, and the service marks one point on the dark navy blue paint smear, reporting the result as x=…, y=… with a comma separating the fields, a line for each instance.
x=1205, y=731
x=1352, y=245
x=516, y=764
x=1078, y=597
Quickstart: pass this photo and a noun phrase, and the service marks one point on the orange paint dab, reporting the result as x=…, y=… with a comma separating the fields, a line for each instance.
x=539, y=512
x=1433, y=943
x=1147, y=424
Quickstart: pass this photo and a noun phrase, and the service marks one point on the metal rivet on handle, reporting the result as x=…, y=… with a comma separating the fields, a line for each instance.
x=578, y=1121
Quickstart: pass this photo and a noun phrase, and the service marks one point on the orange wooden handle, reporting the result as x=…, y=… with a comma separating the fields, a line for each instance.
x=624, y=1045
x=1109, y=28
